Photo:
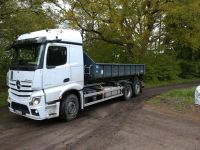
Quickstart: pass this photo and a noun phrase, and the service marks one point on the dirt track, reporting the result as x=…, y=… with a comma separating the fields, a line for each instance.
x=115, y=124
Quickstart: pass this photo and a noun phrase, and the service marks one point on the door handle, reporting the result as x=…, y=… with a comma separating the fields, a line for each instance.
x=66, y=80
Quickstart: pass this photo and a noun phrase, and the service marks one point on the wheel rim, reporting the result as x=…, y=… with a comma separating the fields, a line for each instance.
x=137, y=88
x=71, y=108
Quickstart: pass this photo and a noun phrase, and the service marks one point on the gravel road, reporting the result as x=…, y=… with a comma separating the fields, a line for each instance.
x=115, y=124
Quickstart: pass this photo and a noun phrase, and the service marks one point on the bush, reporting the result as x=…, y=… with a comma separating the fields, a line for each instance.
x=4, y=66
x=161, y=67
x=189, y=69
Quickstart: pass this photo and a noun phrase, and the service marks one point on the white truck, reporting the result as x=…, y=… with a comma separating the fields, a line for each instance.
x=51, y=76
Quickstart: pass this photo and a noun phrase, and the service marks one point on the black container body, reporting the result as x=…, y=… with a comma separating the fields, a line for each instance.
x=103, y=72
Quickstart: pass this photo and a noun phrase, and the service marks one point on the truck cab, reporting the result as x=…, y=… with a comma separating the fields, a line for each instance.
x=46, y=64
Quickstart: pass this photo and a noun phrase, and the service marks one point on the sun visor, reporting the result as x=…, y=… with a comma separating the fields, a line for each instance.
x=18, y=43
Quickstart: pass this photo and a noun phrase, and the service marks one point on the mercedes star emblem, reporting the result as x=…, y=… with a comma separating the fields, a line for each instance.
x=18, y=84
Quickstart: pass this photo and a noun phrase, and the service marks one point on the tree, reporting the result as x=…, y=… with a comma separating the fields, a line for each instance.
x=183, y=28
x=128, y=24
x=17, y=17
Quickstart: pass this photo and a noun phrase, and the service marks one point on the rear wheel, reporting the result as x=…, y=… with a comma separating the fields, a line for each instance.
x=69, y=108
x=127, y=92
x=136, y=88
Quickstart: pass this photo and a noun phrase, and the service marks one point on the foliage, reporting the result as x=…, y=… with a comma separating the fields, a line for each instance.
x=22, y=17
x=128, y=24
x=104, y=52
x=183, y=28
x=161, y=67
x=4, y=65
x=189, y=69
x=3, y=97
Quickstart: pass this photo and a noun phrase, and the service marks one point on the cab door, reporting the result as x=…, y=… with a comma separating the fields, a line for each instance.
x=56, y=72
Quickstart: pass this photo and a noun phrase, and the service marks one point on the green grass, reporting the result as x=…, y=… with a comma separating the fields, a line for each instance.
x=180, y=100
x=162, y=83
x=3, y=97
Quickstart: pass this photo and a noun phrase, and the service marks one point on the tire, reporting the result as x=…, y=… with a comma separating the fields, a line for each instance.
x=69, y=108
x=137, y=88
x=127, y=92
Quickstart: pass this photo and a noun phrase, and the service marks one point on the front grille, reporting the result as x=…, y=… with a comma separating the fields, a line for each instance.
x=22, y=90
x=20, y=107
x=24, y=86
x=21, y=95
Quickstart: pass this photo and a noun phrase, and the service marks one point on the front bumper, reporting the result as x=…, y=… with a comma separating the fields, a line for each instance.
x=38, y=112
x=29, y=115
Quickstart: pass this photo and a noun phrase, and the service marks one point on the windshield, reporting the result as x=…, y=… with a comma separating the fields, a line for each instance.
x=27, y=57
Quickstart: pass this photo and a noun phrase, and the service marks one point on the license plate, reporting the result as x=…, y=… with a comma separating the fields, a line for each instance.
x=18, y=112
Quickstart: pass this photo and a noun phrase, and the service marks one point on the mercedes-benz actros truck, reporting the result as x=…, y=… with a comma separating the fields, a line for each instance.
x=51, y=76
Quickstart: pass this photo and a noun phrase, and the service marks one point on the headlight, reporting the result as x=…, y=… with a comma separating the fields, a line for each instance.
x=35, y=101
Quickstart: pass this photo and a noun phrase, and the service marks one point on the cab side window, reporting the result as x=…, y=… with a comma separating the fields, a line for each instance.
x=56, y=56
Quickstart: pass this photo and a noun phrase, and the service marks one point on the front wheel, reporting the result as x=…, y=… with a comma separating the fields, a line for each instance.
x=69, y=108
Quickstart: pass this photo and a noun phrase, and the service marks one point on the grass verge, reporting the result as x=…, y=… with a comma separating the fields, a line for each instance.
x=180, y=100
x=3, y=97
